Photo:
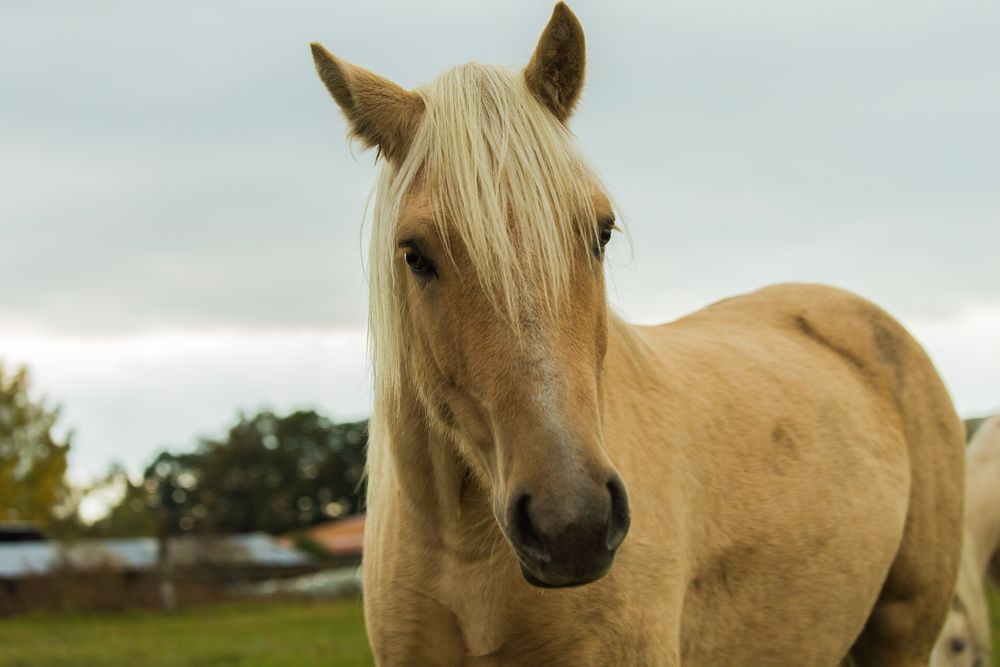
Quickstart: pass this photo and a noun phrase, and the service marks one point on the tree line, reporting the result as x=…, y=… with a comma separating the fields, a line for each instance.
x=270, y=472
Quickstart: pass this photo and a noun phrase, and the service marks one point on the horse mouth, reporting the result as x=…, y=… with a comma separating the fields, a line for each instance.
x=544, y=575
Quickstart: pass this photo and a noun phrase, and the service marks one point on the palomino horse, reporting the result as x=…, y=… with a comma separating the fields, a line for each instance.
x=793, y=464
x=965, y=639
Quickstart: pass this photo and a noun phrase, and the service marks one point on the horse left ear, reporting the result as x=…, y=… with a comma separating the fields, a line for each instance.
x=380, y=112
x=555, y=73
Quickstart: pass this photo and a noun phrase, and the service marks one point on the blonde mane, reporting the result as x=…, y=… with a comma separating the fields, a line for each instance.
x=506, y=182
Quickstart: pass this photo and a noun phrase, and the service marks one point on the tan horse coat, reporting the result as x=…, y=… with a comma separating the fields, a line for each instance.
x=794, y=466
x=793, y=463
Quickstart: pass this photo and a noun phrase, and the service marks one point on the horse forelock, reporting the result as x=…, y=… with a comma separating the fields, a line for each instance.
x=492, y=169
x=505, y=181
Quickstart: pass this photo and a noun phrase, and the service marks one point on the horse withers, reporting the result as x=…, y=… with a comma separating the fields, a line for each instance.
x=774, y=480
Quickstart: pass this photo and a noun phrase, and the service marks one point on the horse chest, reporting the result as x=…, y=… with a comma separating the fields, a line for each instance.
x=476, y=594
x=504, y=622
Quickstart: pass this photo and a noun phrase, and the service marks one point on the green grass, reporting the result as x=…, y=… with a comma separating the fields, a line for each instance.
x=246, y=634
x=994, y=600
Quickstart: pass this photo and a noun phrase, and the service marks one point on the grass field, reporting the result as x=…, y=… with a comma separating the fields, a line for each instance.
x=994, y=600
x=249, y=634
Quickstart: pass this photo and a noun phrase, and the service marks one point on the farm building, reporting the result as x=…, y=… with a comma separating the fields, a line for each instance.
x=253, y=553
x=342, y=539
x=43, y=574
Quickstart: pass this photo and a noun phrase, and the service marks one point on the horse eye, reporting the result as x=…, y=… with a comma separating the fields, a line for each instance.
x=957, y=645
x=418, y=264
x=603, y=238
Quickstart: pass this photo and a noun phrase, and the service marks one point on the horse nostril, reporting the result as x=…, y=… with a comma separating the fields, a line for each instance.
x=618, y=527
x=524, y=531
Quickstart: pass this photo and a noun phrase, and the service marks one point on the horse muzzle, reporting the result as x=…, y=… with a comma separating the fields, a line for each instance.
x=563, y=544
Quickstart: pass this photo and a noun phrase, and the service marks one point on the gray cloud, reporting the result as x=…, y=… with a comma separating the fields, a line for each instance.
x=179, y=165
x=121, y=241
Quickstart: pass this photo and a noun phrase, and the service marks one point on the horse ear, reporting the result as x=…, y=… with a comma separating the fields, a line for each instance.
x=555, y=73
x=380, y=112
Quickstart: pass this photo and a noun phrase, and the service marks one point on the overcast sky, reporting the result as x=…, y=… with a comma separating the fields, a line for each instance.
x=180, y=213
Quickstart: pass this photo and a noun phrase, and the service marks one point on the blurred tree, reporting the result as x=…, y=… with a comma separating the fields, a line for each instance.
x=971, y=425
x=33, y=483
x=276, y=473
x=270, y=473
x=132, y=515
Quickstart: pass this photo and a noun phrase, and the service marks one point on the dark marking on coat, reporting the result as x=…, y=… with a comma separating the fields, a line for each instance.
x=724, y=572
x=820, y=543
x=890, y=346
x=785, y=448
x=782, y=437
x=887, y=344
x=806, y=327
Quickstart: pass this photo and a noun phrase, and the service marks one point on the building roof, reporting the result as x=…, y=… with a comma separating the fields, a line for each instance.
x=19, y=559
x=343, y=537
x=21, y=531
x=140, y=553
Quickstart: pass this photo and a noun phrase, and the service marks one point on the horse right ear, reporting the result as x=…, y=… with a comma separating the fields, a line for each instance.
x=555, y=73
x=381, y=113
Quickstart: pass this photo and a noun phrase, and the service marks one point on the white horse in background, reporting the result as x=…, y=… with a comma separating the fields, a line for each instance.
x=965, y=638
x=982, y=498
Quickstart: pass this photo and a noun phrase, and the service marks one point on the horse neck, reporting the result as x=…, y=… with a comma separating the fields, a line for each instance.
x=426, y=479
